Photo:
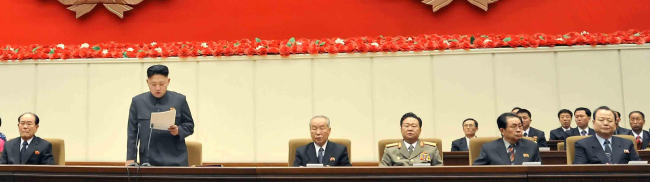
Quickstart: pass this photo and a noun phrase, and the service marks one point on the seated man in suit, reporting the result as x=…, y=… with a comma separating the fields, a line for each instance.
x=620, y=130
x=511, y=149
x=470, y=126
x=583, y=116
x=27, y=149
x=603, y=148
x=321, y=151
x=537, y=135
x=637, y=120
x=565, y=117
x=411, y=149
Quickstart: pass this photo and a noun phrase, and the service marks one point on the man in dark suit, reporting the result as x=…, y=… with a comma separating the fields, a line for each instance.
x=537, y=135
x=620, y=130
x=603, y=147
x=321, y=151
x=470, y=126
x=565, y=117
x=28, y=148
x=583, y=116
x=511, y=149
x=167, y=146
x=637, y=120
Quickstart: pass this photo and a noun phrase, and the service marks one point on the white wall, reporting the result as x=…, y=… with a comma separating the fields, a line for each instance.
x=247, y=108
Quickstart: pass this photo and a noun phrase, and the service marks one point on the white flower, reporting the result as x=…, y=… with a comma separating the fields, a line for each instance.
x=446, y=42
x=158, y=49
x=299, y=43
x=84, y=45
x=560, y=39
x=409, y=39
x=153, y=44
x=259, y=47
x=61, y=46
x=374, y=44
x=129, y=49
x=12, y=49
x=205, y=45
x=584, y=33
x=105, y=51
x=339, y=41
x=487, y=40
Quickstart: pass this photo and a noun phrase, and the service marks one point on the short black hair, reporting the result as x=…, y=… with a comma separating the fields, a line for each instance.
x=0, y=121
x=641, y=113
x=564, y=111
x=475, y=123
x=587, y=111
x=524, y=111
x=36, y=120
x=515, y=108
x=410, y=115
x=502, y=121
x=603, y=108
x=617, y=114
x=157, y=70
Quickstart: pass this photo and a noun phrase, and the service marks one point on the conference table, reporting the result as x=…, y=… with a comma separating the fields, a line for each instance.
x=447, y=173
x=548, y=157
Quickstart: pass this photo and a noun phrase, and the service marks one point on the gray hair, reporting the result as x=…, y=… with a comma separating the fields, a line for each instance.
x=320, y=116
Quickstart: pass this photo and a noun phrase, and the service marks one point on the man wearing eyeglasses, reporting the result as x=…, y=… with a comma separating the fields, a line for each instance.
x=470, y=126
x=511, y=149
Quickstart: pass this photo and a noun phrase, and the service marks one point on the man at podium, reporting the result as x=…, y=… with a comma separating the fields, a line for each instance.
x=158, y=147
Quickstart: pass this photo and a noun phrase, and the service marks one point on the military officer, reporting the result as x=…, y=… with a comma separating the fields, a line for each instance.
x=167, y=146
x=411, y=150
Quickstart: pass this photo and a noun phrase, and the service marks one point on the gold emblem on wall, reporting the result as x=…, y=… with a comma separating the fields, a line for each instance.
x=118, y=7
x=438, y=4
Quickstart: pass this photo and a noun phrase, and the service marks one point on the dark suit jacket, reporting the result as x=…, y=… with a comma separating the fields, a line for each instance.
x=307, y=154
x=590, y=151
x=622, y=131
x=11, y=152
x=165, y=149
x=646, y=139
x=541, y=137
x=459, y=145
x=558, y=134
x=494, y=153
x=576, y=132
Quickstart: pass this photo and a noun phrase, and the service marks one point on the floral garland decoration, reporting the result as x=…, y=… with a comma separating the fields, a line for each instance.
x=317, y=46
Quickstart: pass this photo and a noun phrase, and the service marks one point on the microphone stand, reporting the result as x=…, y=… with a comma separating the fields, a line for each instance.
x=146, y=164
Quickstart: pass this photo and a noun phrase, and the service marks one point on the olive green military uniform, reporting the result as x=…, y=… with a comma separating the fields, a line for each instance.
x=396, y=154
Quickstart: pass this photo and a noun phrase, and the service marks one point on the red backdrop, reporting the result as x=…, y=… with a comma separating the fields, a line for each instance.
x=49, y=22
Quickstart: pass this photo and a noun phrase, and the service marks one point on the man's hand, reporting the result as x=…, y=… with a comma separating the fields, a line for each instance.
x=129, y=162
x=173, y=129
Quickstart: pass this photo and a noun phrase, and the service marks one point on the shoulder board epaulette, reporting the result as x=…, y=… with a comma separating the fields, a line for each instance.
x=430, y=143
x=392, y=145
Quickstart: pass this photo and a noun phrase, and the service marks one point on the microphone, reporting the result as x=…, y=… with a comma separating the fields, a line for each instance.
x=148, y=144
x=137, y=140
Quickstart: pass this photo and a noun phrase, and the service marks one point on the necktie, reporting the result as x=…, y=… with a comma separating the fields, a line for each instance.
x=511, y=153
x=320, y=155
x=410, y=149
x=638, y=142
x=608, y=152
x=525, y=134
x=583, y=133
x=22, y=151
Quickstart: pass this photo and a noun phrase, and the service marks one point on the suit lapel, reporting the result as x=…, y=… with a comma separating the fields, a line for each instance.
x=597, y=147
x=404, y=151
x=503, y=154
x=591, y=132
x=311, y=153
x=329, y=149
x=463, y=144
x=617, y=150
x=646, y=140
x=16, y=150
x=30, y=150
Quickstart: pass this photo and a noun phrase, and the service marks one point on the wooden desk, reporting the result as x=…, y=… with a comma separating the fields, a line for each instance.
x=196, y=174
x=552, y=144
